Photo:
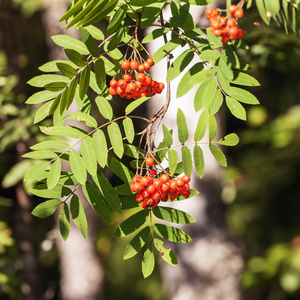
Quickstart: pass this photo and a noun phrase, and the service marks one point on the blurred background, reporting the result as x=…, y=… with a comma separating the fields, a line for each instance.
x=260, y=188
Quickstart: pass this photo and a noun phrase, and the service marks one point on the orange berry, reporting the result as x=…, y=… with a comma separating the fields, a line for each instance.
x=125, y=65
x=144, y=94
x=120, y=91
x=161, y=86
x=113, y=83
x=112, y=91
x=231, y=23
x=147, y=66
x=211, y=13
x=134, y=65
x=127, y=77
x=144, y=181
x=131, y=87
x=186, y=178
x=149, y=161
x=147, y=81
x=157, y=183
x=180, y=183
x=238, y=14
x=122, y=83
x=164, y=178
x=218, y=32
x=141, y=68
x=232, y=9
x=140, y=77
x=138, y=187
x=145, y=194
x=215, y=24
x=150, y=61
x=151, y=189
x=139, y=197
x=136, y=178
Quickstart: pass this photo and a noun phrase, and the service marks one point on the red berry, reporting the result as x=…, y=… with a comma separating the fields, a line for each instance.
x=134, y=65
x=153, y=172
x=164, y=188
x=225, y=39
x=125, y=65
x=149, y=161
x=139, y=197
x=145, y=194
x=240, y=34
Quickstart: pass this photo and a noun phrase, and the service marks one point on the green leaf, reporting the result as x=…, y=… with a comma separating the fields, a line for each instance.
x=89, y=42
x=262, y=11
x=54, y=106
x=155, y=34
x=179, y=16
x=42, y=112
x=187, y=162
x=116, y=140
x=199, y=161
x=173, y=215
x=35, y=171
x=75, y=57
x=137, y=243
x=148, y=261
x=172, y=156
x=225, y=68
x=180, y=63
x=64, y=222
x=116, y=19
x=117, y=38
x=109, y=193
x=96, y=201
x=54, y=174
x=74, y=9
x=100, y=73
x=168, y=140
x=51, y=144
x=42, y=80
x=40, y=154
x=78, y=215
x=89, y=155
x=183, y=132
x=84, y=81
x=69, y=42
x=223, y=81
x=67, y=70
x=205, y=93
x=167, y=254
x=199, y=2
x=214, y=41
x=166, y=48
x=229, y=140
x=184, y=85
x=243, y=96
x=216, y=103
x=171, y=233
x=201, y=126
x=133, y=223
x=209, y=55
x=63, y=131
x=104, y=107
x=77, y=166
x=42, y=96
x=120, y=170
x=55, y=86
x=129, y=202
x=244, y=79
x=47, y=208
x=58, y=191
x=212, y=128
x=218, y=155
x=236, y=108
x=203, y=75
x=136, y=103
x=100, y=147
x=123, y=190
x=128, y=129
x=150, y=13
x=82, y=117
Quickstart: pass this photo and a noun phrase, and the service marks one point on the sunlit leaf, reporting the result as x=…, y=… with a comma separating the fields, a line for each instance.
x=173, y=215
x=148, y=261
x=129, y=129
x=229, y=140
x=89, y=155
x=218, y=155
x=199, y=161
x=78, y=215
x=46, y=208
x=104, y=107
x=137, y=243
x=167, y=254
x=100, y=147
x=77, y=166
x=172, y=157
x=187, y=162
x=201, y=126
x=183, y=132
x=115, y=137
x=133, y=223
x=64, y=222
x=171, y=233
x=54, y=174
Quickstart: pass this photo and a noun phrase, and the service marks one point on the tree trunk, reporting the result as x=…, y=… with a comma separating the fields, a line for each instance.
x=210, y=266
x=82, y=273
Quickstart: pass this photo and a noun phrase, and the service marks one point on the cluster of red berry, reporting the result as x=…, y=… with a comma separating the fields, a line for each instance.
x=140, y=86
x=226, y=27
x=151, y=190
